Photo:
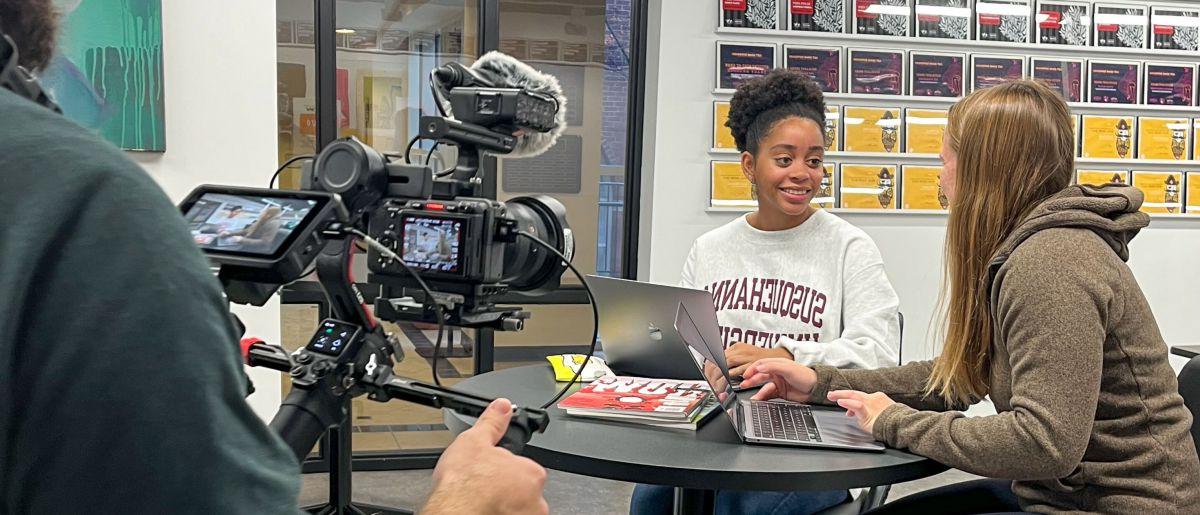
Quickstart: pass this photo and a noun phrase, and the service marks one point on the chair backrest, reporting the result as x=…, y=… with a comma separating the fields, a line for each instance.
x=1189, y=389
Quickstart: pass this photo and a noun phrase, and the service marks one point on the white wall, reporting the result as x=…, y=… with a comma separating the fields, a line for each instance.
x=679, y=100
x=219, y=75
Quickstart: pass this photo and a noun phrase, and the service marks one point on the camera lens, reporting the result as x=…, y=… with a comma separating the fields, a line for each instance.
x=528, y=267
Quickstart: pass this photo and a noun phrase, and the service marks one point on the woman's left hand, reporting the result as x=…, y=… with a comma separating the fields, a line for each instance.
x=739, y=356
x=866, y=407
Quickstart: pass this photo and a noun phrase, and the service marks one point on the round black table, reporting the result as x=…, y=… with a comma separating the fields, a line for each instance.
x=697, y=461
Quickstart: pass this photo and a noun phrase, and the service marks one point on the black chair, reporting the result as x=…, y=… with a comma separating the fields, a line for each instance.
x=1189, y=389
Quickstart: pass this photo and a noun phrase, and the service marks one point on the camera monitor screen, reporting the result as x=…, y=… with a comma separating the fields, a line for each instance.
x=433, y=244
x=246, y=224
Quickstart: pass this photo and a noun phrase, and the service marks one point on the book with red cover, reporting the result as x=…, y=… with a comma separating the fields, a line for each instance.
x=631, y=398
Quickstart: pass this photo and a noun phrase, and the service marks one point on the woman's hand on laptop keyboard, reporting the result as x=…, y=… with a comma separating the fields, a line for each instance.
x=740, y=355
x=781, y=379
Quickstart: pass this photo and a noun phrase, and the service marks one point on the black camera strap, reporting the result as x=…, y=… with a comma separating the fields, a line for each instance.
x=17, y=79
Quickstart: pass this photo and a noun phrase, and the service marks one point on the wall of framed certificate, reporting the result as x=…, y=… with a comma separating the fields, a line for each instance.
x=894, y=67
x=883, y=176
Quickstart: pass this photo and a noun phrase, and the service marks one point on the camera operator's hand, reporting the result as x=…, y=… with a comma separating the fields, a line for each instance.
x=475, y=476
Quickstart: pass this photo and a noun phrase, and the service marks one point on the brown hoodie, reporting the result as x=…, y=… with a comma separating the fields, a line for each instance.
x=1089, y=414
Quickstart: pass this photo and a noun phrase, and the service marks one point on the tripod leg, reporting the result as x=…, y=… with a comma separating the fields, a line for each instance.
x=339, y=446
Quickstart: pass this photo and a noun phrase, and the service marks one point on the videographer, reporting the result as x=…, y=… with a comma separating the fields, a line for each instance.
x=121, y=388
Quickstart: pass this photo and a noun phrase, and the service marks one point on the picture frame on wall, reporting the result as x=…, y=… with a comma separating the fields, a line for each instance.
x=924, y=130
x=1168, y=139
x=1108, y=137
x=944, y=19
x=872, y=129
x=1120, y=25
x=817, y=15
x=936, y=74
x=749, y=14
x=1170, y=84
x=727, y=186
x=1006, y=21
x=993, y=70
x=1174, y=28
x=921, y=189
x=1063, y=75
x=823, y=64
x=1192, y=204
x=1101, y=177
x=1114, y=82
x=1064, y=22
x=738, y=62
x=722, y=140
x=1163, y=191
x=882, y=17
x=876, y=71
x=827, y=190
x=833, y=128
x=868, y=186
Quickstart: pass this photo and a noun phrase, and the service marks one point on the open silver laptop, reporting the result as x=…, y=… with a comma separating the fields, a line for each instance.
x=637, y=326
x=765, y=422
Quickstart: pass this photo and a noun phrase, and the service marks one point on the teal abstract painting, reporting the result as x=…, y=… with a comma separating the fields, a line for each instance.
x=108, y=74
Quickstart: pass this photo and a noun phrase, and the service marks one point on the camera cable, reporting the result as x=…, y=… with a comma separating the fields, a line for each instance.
x=271, y=185
x=441, y=318
x=595, y=316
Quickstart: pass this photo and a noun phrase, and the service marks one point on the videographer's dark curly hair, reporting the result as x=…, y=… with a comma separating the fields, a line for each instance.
x=762, y=102
x=33, y=26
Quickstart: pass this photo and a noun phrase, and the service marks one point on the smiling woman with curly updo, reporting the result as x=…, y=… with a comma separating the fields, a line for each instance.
x=788, y=280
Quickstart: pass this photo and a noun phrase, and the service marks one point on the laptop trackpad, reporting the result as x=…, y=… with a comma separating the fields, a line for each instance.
x=837, y=428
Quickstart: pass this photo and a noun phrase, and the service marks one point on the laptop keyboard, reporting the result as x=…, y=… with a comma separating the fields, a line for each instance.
x=793, y=422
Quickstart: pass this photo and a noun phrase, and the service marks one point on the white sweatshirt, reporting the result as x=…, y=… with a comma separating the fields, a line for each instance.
x=818, y=289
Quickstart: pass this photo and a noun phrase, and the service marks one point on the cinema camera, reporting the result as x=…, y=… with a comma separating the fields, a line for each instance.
x=431, y=235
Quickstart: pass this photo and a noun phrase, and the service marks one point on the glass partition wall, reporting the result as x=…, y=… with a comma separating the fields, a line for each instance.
x=383, y=51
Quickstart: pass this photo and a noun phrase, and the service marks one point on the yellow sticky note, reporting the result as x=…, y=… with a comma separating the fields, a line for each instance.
x=1163, y=191
x=923, y=130
x=922, y=188
x=729, y=186
x=1164, y=138
x=1101, y=177
x=868, y=186
x=872, y=129
x=1109, y=137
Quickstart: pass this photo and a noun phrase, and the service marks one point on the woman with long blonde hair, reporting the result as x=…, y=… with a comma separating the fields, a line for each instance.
x=1042, y=313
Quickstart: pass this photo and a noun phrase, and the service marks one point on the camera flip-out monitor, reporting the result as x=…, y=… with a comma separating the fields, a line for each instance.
x=260, y=234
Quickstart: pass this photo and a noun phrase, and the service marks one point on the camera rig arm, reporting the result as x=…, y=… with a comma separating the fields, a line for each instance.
x=305, y=417
x=350, y=355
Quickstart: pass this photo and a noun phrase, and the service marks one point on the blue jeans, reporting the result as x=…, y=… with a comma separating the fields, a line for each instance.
x=658, y=500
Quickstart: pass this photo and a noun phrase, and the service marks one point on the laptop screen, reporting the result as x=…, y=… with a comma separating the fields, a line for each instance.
x=704, y=351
